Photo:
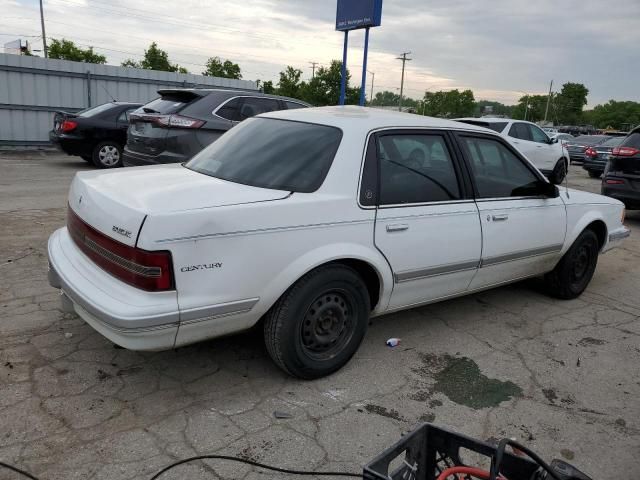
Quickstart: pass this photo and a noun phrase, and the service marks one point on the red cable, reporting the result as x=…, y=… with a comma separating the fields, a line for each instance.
x=475, y=472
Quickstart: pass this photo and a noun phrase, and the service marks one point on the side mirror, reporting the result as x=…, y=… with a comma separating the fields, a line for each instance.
x=553, y=140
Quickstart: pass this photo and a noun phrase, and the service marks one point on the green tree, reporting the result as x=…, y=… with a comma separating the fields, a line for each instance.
x=385, y=99
x=324, y=87
x=537, y=105
x=613, y=114
x=155, y=59
x=217, y=68
x=67, y=50
x=569, y=103
x=449, y=104
x=289, y=84
x=496, y=108
x=267, y=87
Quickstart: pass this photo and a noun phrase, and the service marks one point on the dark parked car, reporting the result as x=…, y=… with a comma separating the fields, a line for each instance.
x=621, y=178
x=579, y=145
x=97, y=134
x=595, y=158
x=176, y=126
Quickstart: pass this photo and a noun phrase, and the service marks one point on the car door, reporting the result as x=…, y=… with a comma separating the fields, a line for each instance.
x=523, y=231
x=426, y=225
x=546, y=153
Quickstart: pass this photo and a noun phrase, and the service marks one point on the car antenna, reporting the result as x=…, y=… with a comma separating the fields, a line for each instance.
x=112, y=97
x=566, y=179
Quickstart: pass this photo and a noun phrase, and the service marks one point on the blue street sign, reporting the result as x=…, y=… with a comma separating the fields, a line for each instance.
x=353, y=14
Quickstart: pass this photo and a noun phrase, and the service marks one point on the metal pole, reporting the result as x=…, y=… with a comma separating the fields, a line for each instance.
x=546, y=110
x=313, y=69
x=44, y=35
x=343, y=81
x=373, y=77
x=363, y=85
x=526, y=106
x=404, y=60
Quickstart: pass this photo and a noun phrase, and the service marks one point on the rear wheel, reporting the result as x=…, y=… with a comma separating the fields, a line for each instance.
x=319, y=323
x=559, y=172
x=594, y=174
x=107, y=155
x=575, y=270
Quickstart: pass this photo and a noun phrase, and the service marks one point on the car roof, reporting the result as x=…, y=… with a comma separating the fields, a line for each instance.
x=230, y=92
x=485, y=119
x=351, y=117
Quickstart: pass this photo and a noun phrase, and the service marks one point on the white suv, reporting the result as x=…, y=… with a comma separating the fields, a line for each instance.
x=547, y=154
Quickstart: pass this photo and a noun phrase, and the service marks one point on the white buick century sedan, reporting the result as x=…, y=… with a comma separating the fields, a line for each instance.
x=310, y=222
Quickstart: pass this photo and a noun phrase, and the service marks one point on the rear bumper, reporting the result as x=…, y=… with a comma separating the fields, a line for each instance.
x=594, y=165
x=135, y=159
x=576, y=157
x=129, y=317
x=71, y=145
x=623, y=192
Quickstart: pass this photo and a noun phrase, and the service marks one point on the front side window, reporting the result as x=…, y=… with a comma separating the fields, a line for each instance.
x=270, y=153
x=497, y=171
x=537, y=135
x=416, y=169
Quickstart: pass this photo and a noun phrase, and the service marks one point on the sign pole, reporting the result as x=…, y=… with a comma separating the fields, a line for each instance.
x=363, y=87
x=343, y=81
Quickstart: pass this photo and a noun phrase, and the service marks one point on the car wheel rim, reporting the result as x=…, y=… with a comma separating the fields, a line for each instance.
x=109, y=155
x=328, y=324
x=582, y=262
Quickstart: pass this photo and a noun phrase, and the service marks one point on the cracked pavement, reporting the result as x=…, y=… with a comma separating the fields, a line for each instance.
x=72, y=406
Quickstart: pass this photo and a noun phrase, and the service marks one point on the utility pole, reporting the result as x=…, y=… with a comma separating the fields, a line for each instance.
x=403, y=57
x=44, y=35
x=373, y=77
x=546, y=111
x=313, y=69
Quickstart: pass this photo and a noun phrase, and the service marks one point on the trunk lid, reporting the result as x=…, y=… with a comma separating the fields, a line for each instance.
x=117, y=202
x=147, y=135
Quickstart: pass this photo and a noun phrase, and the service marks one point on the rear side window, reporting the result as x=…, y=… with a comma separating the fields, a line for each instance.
x=497, y=171
x=632, y=140
x=255, y=106
x=416, y=169
x=230, y=110
x=520, y=130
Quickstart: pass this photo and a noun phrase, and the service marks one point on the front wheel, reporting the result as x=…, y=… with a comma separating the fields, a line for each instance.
x=107, y=155
x=319, y=323
x=575, y=270
x=559, y=172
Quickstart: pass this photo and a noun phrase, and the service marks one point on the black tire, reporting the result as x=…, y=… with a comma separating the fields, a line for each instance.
x=87, y=158
x=559, y=172
x=575, y=270
x=594, y=174
x=318, y=324
x=107, y=155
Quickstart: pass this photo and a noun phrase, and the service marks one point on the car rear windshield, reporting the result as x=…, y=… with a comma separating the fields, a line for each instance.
x=93, y=111
x=169, y=102
x=589, y=139
x=632, y=140
x=270, y=153
x=612, y=142
x=495, y=126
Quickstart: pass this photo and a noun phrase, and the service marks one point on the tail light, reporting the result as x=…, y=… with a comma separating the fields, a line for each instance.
x=625, y=151
x=612, y=181
x=590, y=152
x=170, y=121
x=150, y=271
x=68, y=126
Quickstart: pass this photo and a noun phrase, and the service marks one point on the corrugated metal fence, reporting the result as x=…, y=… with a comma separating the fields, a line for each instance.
x=32, y=88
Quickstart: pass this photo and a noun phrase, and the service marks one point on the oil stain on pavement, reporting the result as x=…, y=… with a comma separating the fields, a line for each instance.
x=460, y=379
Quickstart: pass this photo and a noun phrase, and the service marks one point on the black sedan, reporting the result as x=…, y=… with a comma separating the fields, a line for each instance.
x=595, y=158
x=96, y=134
x=579, y=145
x=621, y=178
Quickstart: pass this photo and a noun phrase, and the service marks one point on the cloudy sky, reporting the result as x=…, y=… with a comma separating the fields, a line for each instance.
x=500, y=49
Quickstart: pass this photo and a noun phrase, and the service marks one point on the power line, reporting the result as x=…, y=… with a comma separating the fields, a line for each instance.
x=313, y=69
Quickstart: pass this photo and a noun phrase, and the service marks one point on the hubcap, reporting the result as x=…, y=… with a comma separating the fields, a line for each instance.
x=581, y=263
x=327, y=324
x=109, y=155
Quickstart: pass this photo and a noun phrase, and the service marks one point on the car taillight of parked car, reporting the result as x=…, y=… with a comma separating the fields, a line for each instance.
x=625, y=151
x=68, y=126
x=590, y=152
x=150, y=271
x=612, y=181
x=170, y=121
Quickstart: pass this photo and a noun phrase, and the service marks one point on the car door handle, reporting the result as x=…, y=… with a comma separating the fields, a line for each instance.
x=500, y=218
x=399, y=227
